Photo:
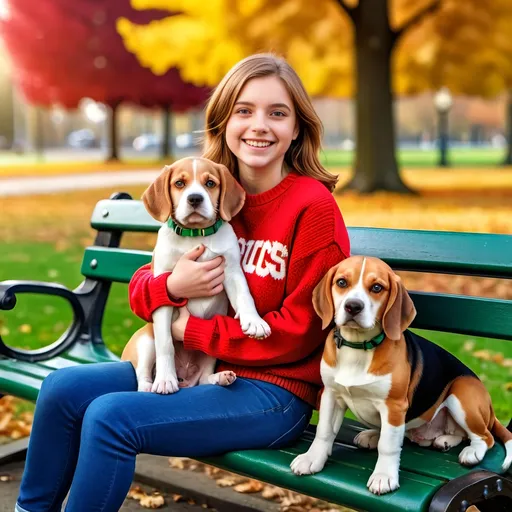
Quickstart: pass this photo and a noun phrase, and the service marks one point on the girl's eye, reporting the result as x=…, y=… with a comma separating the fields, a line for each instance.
x=242, y=111
x=179, y=184
x=376, y=288
x=342, y=283
x=278, y=113
x=210, y=184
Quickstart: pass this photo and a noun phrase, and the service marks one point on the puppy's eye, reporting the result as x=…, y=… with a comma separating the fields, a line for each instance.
x=376, y=288
x=210, y=184
x=179, y=184
x=342, y=283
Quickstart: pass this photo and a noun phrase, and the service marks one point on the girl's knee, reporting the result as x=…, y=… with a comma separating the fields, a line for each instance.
x=107, y=421
x=57, y=388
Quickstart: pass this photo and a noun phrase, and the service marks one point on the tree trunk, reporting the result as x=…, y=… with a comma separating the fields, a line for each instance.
x=508, y=156
x=166, y=149
x=112, y=132
x=375, y=165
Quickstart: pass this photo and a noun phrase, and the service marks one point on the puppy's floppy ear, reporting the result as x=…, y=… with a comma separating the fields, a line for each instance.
x=157, y=197
x=232, y=195
x=322, y=298
x=400, y=310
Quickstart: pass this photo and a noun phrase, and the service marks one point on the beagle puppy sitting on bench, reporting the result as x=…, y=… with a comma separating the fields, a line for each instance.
x=395, y=382
x=195, y=199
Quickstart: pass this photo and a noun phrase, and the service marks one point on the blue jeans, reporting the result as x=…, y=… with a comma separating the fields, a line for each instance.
x=90, y=423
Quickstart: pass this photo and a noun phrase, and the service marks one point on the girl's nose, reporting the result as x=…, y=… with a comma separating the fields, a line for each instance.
x=260, y=123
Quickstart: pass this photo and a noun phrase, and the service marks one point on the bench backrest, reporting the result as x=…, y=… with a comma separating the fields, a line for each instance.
x=472, y=254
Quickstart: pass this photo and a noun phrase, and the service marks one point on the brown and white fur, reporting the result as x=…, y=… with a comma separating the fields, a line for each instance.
x=365, y=297
x=194, y=192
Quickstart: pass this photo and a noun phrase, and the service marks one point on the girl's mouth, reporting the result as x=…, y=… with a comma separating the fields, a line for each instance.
x=258, y=144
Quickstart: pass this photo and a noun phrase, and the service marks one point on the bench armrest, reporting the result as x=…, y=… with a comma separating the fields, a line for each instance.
x=8, y=291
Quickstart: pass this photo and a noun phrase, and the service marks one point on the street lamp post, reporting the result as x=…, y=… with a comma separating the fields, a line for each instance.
x=443, y=101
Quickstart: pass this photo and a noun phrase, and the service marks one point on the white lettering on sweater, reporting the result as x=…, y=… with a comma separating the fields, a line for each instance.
x=263, y=258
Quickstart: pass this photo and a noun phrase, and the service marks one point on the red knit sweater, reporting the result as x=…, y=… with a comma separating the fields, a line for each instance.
x=289, y=237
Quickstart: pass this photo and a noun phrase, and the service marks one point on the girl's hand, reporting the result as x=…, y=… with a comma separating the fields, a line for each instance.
x=180, y=324
x=191, y=279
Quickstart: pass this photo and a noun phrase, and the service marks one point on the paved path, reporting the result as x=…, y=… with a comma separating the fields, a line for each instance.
x=51, y=184
x=9, y=494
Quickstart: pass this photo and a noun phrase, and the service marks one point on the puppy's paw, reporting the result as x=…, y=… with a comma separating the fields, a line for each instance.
x=368, y=439
x=308, y=463
x=382, y=483
x=254, y=326
x=165, y=384
x=472, y=454
x=224, y=378
x=144, y=385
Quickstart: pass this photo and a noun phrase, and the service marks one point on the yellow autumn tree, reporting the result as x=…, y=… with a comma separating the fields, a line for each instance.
x=369, y=49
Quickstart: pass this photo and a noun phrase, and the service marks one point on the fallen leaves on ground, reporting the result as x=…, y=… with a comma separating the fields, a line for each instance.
x=13, y=426
x=289, y=501
x=154, y=500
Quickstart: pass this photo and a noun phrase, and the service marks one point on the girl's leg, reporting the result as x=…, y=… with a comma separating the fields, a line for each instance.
x=55, y=439
x=199, y=421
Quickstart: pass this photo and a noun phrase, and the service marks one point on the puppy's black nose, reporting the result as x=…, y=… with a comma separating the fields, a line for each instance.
x=354, y=306
x=195, y=200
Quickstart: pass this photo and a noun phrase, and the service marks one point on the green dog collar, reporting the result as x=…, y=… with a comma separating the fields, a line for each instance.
x=210, y=230
x=364, y=345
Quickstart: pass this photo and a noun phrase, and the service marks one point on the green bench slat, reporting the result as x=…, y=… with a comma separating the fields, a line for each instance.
x=481, y=316
x=475, y=316
x=113, y=264
x=343, y=480
x=428, y=461
x=449, y=252
x=24, y=379
x=432, y=251
x=124, y=215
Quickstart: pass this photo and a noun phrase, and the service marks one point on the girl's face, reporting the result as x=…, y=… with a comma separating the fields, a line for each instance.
x=262, y=125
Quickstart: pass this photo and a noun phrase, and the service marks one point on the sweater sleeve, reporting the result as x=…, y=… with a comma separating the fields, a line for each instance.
x=147, y=293
x=296, y=328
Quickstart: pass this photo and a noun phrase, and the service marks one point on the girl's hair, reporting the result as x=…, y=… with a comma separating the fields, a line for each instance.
x=302, y=156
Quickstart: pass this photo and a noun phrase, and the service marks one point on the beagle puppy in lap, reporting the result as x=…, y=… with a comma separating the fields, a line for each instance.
x=195, y=199
x=394, y=381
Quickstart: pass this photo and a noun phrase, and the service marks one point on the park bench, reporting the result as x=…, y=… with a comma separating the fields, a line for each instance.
x=429, y=480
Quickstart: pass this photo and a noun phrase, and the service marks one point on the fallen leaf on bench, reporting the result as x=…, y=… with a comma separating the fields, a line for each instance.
x=248, y=487
x=177, y=498
x=5, y=478
x=177, y=462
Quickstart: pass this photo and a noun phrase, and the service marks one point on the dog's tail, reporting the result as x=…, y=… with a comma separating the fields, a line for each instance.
x=505, y=436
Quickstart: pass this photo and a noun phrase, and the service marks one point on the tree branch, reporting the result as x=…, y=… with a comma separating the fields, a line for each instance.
x=432, y=8
x=350, y=11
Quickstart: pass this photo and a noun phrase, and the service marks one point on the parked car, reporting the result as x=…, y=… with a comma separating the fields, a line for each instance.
x=146, y=141
x=84, y=138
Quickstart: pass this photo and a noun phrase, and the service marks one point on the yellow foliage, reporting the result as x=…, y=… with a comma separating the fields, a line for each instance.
x=463, y=45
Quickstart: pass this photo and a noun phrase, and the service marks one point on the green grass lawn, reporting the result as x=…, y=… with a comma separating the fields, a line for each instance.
x=418, y=158
x=37, y=321
x=11, y=163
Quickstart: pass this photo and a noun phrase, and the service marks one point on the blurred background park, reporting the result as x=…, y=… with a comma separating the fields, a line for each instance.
x=415, y=97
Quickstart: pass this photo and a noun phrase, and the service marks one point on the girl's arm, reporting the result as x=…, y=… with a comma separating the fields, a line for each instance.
x=296, y=328
x=148, y=293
